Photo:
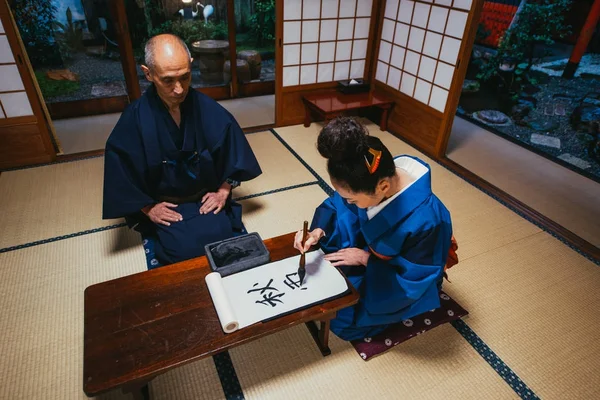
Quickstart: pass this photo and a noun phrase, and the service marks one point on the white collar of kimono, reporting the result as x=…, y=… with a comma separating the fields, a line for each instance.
x=413, y=168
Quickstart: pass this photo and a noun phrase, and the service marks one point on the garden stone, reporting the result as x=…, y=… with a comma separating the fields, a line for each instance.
x=520, y=112
x=543, y=126
x=470, y=86
x=493, y=117
x=543, y=140
x=576, y=161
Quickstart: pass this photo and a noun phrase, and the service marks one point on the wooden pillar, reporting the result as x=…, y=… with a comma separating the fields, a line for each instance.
x=583, y=40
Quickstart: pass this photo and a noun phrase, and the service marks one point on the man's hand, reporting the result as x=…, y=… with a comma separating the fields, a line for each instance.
x=350, y=257
x=161, y=213
x=311, y=239
x=215, y=201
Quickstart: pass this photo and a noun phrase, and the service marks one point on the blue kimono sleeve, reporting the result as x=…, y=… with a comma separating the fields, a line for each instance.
x=125, y=181
x=339, y=220
x=233, y=156
x=406, y=285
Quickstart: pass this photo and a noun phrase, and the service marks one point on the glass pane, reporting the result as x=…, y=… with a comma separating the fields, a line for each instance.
x=72, y=47
x=255, y=40
x=202, y=25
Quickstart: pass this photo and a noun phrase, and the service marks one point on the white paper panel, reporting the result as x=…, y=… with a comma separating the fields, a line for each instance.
x=406, y=10
x=359, y=50
x=416, y=39
x=450, y=48
x=347, y=8
x=427, y=68
x=362, y=28
x=411, y=62
x=394, y=78
x=391, y=9
x=329, y=8
x=291, y=54
x=385, y=49
x=312, y=9
x=422, y=91
x=437, y=19
x=433, y=43
x=397, y=59
x=342, y=71
x=387, y=32
x=464, y=4
x=438, y=98
x=1, y=113
x=421, y=15
x=325, y=72
x=310, y=31
x=291, y=76
x=401, y=36
x=456, y=23
x=310, y=53
x=326, y=51
x=328, y=29
x=1, y=27
x=443, y=75
x=308, y=74
x=381, y=73
x=343, y=50
x=292, y=9
x=364, y=8
x=291, y=32
x=407, y=86
x=10, y=79
x=345, y=28
x=357, y=69
x=444, y=2
x=6, y=55
x=16, y=104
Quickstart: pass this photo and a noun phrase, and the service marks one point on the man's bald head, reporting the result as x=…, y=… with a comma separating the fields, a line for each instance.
x=164, y=46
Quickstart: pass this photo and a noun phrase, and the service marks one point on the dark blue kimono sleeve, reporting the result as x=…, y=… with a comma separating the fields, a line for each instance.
x=125, y=185
x=339, y=220
x=233, y=156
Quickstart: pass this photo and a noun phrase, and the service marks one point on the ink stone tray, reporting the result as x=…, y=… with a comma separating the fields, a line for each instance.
x=237, y=254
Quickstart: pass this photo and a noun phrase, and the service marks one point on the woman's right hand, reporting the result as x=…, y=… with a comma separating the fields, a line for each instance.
x=312, y=238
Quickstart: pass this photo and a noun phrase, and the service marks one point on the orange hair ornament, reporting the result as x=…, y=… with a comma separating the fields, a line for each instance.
x=372, y=167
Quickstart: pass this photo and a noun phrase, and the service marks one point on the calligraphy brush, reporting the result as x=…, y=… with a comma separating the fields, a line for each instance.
x=301, y=268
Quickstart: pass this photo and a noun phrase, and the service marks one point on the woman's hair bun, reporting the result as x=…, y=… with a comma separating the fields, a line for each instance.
x=343, y=139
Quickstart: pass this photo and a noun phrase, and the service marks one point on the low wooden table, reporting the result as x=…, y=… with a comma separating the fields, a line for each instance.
x=329, y=105
x=143, y=325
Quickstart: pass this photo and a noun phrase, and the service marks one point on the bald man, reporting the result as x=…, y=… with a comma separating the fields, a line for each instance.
x=173, y=159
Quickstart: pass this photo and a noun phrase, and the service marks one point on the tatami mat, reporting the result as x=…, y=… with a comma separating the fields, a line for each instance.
x=280, y=213
x=42, y=318
x=437, y=365
x=54, y=200
x=280, y=168
x=536, y=303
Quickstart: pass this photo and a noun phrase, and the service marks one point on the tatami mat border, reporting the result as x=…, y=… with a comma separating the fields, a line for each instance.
x=494, y=361
x=63, y=237
x=251, y=196
x=474, y=340
x=229, y=380
x=320, y=180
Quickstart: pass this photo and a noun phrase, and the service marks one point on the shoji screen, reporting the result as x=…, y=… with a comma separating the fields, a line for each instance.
x=421, y=45
x=24, y=135
x=321, y=42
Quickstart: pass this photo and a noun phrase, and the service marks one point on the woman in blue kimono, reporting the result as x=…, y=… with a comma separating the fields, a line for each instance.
x=383, y=227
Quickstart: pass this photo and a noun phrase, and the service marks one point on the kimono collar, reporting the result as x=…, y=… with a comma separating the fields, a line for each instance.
x=399, y=208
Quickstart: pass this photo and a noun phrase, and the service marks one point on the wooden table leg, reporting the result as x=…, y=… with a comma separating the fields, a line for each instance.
x=306, y=116
x=321, y=336
x=384, y=118
x=138, y=392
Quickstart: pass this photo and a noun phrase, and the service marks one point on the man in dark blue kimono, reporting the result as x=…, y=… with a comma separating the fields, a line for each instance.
x=173, y=158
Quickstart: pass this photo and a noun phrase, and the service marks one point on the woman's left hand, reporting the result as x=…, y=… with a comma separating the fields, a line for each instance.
x=351, y=256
